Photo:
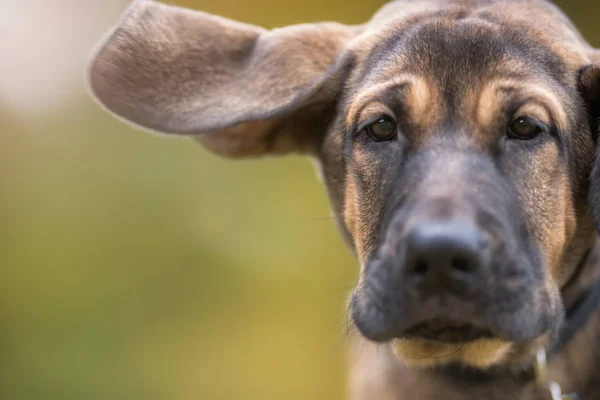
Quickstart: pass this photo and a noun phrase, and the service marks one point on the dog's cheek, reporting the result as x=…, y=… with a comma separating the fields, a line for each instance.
x=362, y=200
x=547, y=203
x=331, y=171
x=560, y=239
x=351, y=215
x=482, y=353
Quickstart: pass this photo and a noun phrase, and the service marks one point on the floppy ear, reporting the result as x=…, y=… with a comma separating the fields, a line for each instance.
x=590, y=88
x=241, y=89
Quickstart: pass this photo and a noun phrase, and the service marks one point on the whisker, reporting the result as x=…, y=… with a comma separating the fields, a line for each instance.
x=449, y=355
x=329, y=217
x=434, y=357
x=427, y=356
x=338, y=321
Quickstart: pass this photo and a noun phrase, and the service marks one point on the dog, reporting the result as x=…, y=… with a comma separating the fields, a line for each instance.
x=456, y=140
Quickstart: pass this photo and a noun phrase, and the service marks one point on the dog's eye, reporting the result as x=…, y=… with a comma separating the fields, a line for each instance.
x=524, y=128
x=382, y=129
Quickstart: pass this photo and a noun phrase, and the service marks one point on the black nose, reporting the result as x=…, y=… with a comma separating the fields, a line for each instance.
x=444, y=255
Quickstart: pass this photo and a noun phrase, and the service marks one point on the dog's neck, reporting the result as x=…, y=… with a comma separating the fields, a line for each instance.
x=576, y=351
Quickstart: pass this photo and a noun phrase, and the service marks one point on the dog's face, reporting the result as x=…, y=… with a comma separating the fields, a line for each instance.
x=456, y=142
x=467, y=155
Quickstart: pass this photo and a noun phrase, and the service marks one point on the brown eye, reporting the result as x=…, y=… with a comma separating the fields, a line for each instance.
x=382, y=129
x=524, y=128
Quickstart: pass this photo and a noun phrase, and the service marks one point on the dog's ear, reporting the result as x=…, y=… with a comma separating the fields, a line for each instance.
x=590, y=88
x=242, y=90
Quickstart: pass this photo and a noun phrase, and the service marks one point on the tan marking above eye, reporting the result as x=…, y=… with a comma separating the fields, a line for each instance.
x=542, y=103
x=418, y=102
x=367, y=104
x=488, y=105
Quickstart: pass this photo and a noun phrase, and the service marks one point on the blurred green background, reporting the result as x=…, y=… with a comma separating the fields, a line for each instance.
x=139, y=267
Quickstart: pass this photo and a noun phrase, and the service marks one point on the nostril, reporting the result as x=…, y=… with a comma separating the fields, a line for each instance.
x=445, y=253
x=462, y=265
x=421, y=267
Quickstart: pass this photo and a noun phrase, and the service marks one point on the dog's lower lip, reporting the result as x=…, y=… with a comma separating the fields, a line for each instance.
x=447, y=331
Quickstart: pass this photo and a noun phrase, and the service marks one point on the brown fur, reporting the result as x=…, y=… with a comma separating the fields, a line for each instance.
x=244, y=91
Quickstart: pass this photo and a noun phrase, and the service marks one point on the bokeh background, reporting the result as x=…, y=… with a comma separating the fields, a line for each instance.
x=138, y=267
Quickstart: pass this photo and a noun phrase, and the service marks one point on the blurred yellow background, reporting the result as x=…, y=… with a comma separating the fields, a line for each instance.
x=138, y=267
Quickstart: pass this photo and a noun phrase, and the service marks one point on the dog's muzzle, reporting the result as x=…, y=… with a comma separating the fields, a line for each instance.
x=447, y=278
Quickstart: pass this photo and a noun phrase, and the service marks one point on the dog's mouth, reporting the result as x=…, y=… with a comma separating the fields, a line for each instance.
x=447, y=331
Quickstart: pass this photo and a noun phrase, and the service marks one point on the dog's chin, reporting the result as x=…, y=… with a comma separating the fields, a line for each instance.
x=442, y=341
x=480, y=353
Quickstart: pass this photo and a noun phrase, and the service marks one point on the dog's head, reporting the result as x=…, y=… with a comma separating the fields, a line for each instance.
x=456, y=142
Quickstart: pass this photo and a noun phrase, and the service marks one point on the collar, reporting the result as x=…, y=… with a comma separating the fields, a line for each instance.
x=579, y=313
x=576, y=318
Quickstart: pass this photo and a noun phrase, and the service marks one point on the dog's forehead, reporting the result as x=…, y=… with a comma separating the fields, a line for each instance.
x=461, y=52
x=536, y=22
